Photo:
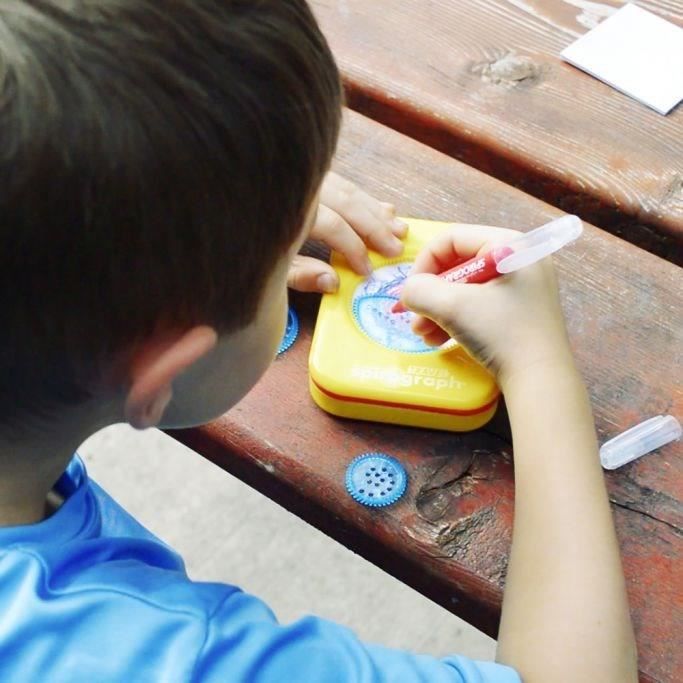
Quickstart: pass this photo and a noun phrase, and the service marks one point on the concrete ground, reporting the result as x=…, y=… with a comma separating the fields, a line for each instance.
x=228, y=532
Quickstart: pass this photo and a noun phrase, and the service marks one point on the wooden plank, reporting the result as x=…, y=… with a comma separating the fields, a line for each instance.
x=482, y=81
x=449, y=536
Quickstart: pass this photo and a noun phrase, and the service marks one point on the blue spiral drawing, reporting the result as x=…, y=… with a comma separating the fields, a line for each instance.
x=372, y=302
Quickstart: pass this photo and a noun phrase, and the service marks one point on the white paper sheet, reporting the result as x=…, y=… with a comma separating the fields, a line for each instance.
x=635, y=52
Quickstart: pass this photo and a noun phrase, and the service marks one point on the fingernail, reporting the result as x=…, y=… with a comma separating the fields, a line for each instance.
x=401, y=227
x=327, y=283
x=395, y=246
x=368, y=266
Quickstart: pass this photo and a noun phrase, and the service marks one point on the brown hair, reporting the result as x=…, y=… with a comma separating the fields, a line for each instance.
x=156, y=158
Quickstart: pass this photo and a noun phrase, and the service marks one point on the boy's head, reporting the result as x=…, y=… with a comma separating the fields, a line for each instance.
x=158, y=160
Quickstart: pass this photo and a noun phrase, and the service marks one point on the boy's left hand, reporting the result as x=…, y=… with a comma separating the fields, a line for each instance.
x=348, y=221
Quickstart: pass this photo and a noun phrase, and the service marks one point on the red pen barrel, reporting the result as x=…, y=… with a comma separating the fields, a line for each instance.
x=476, y=270
x=479, y=269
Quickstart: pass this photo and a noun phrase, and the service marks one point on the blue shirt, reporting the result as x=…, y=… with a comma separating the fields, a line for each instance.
x=90, y=595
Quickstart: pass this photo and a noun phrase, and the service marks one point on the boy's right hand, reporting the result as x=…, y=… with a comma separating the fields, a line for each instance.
x=509, y=324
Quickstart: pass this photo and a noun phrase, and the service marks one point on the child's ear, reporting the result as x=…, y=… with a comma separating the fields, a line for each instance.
x=154, y=368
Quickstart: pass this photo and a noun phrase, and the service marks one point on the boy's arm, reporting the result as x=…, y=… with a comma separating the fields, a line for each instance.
x=565, y=611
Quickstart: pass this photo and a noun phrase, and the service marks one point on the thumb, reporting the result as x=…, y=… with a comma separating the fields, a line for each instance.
x=307, y=274
x=432, y=297
x=450, y=306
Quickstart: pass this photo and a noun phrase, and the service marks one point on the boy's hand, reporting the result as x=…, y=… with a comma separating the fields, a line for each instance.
x=509, y=323
x=348, y=221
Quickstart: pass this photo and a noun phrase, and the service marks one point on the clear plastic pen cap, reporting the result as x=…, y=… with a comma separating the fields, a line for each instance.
x=639, y=440
x=539, y=243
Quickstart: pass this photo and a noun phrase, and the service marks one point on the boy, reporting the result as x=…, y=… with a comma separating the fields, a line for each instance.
x=162, y=163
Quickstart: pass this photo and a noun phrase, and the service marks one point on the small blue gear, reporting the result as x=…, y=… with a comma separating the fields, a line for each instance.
x=376, y=479
x=291, y=331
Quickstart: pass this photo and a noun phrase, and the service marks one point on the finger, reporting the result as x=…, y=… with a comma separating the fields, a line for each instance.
x=336, y=190
x=373, y=220
x=308, y=274
x=422, y=325
x=387, y=209
x=387, y=212
x=381, y=230
x=374, y=229
x=429, y=331
x=436, y=338
x=440, y=301
x=458, y=243
x=334, y=231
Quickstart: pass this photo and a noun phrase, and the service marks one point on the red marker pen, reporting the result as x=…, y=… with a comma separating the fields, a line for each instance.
x=520, y=252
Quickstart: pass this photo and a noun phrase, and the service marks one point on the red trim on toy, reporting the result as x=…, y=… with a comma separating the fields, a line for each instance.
x=390, y=404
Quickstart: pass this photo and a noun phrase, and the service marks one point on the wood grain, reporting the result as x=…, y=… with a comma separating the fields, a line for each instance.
x=449, y=536
x=482, y=81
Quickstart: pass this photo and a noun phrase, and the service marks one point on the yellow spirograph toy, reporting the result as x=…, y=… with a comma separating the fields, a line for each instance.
x=365, y=362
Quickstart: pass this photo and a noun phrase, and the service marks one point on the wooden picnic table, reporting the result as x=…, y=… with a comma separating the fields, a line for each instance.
x=483, y=81
x=449, y=536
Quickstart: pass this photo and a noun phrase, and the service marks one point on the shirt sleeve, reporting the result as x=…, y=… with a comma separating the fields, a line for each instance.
x=244, y=642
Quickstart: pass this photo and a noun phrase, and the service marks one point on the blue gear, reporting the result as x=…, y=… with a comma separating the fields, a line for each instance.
x=291, y=331
x=376, y=479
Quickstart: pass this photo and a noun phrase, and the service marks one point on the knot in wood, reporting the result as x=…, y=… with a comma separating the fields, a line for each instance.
x=511, y=69
x=674, y=190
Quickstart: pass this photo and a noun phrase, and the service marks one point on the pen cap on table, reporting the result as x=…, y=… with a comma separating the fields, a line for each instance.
x=365, y=362
x=639, y=440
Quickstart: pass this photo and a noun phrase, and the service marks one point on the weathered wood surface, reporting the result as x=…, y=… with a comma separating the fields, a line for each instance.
x=482, y=80
x=449, y=536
